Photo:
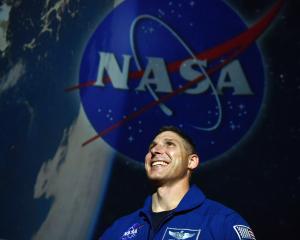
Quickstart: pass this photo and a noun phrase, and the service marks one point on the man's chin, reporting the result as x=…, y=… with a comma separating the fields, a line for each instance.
x=157, y=181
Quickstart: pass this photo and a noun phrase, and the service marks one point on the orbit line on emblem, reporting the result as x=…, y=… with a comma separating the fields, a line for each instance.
x=162, y=106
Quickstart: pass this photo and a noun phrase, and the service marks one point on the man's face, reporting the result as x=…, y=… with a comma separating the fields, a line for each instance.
x=167, y=158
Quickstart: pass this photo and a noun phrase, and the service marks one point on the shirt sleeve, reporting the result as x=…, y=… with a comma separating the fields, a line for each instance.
x=106, y=234
x=109, y=233
x=236, y=228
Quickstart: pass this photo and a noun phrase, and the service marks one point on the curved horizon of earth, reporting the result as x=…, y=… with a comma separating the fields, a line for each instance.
x=52, y=188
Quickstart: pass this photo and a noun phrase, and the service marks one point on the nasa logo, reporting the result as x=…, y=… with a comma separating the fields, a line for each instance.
x=192, y=64
x=131, y=232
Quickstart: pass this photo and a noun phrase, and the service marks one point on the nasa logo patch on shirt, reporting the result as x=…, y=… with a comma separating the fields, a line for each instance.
x=131, y=232
x=244, y=232
x=181, y=233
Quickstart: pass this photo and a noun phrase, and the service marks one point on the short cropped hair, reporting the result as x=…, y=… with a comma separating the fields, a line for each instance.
x=182, y=134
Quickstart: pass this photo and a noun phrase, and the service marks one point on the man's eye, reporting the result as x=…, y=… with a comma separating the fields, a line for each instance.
x=170, y=143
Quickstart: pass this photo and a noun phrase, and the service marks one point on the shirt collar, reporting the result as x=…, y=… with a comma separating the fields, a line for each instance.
x=192, y=199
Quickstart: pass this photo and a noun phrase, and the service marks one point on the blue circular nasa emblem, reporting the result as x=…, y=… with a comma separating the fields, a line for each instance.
x=192, y=64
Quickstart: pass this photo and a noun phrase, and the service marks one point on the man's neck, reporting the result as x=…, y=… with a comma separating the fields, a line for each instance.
x=168, y=196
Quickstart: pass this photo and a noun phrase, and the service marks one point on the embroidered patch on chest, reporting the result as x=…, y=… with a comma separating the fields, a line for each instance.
x=244, y=232
x=181, y=233
x=131, y=232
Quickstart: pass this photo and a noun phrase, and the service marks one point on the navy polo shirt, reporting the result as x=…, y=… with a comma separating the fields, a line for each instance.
x=195, y=218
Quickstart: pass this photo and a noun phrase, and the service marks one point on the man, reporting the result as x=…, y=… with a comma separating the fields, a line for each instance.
x=177, y=210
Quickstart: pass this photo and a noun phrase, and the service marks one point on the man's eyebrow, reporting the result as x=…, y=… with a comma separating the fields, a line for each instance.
x=169, y=139
x=173, y=140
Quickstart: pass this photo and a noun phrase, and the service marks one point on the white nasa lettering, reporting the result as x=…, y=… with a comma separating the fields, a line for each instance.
x=130, y=232
x=232, y=75
x=188, y=72
x=236, y=79
x=156, y=74
x=109, y=63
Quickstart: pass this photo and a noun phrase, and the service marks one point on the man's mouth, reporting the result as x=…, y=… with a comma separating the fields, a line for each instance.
x=159, y=163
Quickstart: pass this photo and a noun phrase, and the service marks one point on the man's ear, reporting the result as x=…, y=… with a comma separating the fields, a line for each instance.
x=193, y=161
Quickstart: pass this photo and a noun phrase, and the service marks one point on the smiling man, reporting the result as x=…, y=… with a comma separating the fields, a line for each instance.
x=177, y=210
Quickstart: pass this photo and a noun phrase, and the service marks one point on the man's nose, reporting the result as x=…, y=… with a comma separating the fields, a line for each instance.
x=158, y=148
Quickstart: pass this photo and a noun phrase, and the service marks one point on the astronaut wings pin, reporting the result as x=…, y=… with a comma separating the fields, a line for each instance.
x=181, y=235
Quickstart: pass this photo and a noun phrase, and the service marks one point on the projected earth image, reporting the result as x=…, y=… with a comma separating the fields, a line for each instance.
x=51, y=188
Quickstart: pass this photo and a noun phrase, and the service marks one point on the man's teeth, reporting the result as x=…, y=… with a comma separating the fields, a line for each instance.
x=159, y=163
